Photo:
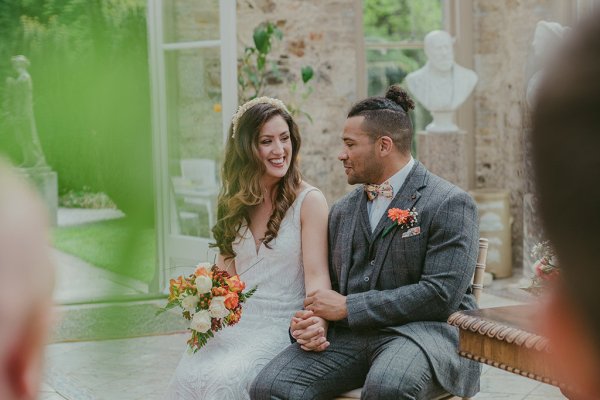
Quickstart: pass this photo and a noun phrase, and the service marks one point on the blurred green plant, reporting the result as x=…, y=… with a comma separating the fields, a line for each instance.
x=116, y=245
x=256, y=71
x=89, y=67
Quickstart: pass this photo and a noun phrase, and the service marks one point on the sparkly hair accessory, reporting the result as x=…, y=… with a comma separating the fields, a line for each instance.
x=249, y=104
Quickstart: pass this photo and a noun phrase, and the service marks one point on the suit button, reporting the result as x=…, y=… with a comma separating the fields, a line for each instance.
x=366, y=279
x=372, y=262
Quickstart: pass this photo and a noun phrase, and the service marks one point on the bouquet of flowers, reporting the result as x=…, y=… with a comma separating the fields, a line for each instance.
x=546, y=267
x=210, y=299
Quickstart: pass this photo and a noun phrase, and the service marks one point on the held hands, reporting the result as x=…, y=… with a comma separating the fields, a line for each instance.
x=309, y=331
x=327, y=304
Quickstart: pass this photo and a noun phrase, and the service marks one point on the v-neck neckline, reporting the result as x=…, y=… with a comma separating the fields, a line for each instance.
x=261, y=242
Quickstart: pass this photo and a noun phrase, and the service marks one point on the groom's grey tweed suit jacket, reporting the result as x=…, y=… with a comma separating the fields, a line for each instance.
x=416, y=282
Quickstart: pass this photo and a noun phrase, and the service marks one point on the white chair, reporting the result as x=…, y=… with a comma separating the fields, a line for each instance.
x=197, y=185
x=477, y=288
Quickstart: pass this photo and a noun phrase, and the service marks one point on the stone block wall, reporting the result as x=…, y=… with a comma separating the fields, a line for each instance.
x=321, y=34
x=503, y=31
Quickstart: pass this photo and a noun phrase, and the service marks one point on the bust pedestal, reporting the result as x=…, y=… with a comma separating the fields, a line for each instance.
x=46, y=182
x=445, y=154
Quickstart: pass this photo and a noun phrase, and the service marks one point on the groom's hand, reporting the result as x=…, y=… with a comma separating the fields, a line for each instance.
x=326, y=303
x=309, y=331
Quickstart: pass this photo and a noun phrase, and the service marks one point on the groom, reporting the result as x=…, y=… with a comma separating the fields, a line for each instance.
x=393, y=286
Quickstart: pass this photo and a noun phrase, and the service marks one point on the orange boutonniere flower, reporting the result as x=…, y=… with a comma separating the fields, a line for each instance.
x=401, y=218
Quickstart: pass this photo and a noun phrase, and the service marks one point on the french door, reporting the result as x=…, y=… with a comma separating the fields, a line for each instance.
x=194, y=88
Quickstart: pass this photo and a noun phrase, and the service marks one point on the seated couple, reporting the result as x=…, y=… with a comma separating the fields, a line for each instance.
x=365, y=301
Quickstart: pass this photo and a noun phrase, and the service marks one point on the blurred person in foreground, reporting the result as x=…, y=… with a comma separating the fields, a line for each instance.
x=26, y=282
x=566, y=145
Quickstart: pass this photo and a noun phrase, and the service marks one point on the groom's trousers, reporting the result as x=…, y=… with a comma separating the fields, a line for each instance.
x=386, y=365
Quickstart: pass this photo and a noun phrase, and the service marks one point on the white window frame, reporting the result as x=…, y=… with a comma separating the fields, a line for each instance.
x=168, y=244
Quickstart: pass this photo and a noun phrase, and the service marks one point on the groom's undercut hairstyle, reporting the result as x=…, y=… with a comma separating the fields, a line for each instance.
x=387, y=116
x=566, y=152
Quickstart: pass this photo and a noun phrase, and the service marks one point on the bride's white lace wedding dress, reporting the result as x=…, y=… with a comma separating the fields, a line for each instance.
x=225, y=368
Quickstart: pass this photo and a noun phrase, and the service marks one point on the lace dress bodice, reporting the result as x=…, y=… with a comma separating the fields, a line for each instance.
x=225, y=367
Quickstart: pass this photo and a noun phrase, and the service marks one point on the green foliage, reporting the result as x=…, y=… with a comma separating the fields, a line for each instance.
x=392, y=21
x=85, y=198
x=307, y=74
x=254, y=66
x=89, y=67
x=256, y=71
x=396, y=20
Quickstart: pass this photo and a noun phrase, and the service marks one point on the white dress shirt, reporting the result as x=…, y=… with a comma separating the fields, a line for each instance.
x=379, y=205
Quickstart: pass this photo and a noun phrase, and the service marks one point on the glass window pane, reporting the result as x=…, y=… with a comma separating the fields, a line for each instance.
x=190, y=20
x=195, y=138
x=407, y=20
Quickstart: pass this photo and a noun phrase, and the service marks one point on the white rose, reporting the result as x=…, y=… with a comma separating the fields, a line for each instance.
x=201, y=322
x=189, y=303
x=203, y=284
x=217, y=307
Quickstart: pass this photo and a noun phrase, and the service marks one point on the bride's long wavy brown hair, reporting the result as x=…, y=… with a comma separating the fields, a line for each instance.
x=241, y=173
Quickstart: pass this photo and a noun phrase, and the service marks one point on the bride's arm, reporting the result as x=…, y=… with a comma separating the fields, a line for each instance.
x=226, y=264
x=313, y=218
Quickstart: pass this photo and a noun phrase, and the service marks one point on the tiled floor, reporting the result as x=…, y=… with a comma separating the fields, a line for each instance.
x=136, y=369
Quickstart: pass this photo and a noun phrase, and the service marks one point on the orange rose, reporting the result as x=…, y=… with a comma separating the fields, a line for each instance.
x=231, y=301
x=201, y=270
x=235, y=284
x=234, y=317
x=219, y=291
x=176, y=286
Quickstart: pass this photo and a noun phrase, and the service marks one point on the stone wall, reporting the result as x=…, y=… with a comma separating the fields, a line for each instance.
x=321, y=34
x=503, y=31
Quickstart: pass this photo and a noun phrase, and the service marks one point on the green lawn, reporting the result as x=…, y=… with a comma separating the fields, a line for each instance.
x=115, y=245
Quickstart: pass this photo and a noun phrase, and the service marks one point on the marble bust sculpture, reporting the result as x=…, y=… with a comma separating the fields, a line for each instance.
x=442, y=85
x=546, y=39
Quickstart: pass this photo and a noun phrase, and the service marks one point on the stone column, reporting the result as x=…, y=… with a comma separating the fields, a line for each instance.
x=445, y=154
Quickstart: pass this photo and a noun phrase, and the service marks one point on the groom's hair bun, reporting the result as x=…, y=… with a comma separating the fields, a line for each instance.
x=400, y=97
x=387, y=116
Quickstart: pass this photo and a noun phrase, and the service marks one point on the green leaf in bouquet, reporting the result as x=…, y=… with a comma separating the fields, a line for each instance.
x=245, y=296
x=167, y=307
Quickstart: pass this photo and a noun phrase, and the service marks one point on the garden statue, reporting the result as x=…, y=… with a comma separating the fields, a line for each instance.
x=546, y=39
x=442, y=85
x=19, y=114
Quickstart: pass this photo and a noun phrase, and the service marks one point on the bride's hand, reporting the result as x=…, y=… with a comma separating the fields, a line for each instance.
x=309, y=331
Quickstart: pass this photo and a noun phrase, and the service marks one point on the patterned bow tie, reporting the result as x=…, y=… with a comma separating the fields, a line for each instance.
x=384, y=189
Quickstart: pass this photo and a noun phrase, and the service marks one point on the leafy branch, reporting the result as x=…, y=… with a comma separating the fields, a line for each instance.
x=256, y=71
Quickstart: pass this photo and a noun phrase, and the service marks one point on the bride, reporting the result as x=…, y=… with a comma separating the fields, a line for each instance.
x=272, y=231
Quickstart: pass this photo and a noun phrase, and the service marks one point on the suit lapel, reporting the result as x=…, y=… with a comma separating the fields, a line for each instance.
x=365, y=222
x=347, y=228
x=406, y=198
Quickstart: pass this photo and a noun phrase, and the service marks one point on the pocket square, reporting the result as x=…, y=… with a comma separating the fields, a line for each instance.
x=415, y=230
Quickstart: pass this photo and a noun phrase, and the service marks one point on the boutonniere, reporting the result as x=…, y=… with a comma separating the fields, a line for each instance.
x=401, y=218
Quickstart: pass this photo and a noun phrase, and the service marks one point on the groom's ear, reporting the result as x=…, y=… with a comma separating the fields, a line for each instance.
x=385, y=145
